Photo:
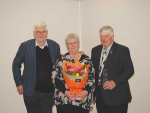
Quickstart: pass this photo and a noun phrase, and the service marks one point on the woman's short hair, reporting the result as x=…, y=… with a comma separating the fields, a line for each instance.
x=40, y=24
x=71, y=36
x=107, y=28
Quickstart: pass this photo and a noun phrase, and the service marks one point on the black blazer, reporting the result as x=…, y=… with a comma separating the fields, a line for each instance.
x=120, y=68
x=27, y=55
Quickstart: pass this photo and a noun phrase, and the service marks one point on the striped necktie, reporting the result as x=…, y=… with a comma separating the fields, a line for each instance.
x=104, y=55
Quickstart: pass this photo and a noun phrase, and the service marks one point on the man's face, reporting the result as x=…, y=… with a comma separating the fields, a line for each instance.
x=40, y=34
x=106, y=39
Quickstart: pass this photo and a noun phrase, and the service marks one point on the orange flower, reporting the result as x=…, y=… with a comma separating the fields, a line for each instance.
x=79, y=64
x=87, y=68
x=65, y=68
x=75, y=70
x=70, y=64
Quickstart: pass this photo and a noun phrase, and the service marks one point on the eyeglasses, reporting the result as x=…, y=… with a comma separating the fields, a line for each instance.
x=74, y=43
x=39, y=32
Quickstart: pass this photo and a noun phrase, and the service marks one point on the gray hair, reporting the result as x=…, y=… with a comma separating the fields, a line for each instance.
x=71, y=36
x=107, y=28
x=40, y=24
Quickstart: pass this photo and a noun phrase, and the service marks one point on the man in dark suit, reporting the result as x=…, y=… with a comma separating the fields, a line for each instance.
x=38, y=56
x=113, y=68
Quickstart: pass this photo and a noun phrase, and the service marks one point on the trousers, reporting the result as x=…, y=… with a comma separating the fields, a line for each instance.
x=39, y=102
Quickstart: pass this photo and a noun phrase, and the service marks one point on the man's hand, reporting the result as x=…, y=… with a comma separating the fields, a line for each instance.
x=82, y=95
x=109, y=85
x=70, y=95
x=82, y=53
x=20, y=89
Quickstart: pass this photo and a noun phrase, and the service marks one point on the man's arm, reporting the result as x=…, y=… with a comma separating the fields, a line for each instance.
x=18, y=60
x=127, y=72
x=128, y=69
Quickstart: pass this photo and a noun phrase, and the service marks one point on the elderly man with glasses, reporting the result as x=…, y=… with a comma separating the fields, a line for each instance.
x=38, y=56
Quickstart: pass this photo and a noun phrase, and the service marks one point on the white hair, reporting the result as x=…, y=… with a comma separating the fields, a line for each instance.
x=40, y=24
x=71, y=36
x=107, y=28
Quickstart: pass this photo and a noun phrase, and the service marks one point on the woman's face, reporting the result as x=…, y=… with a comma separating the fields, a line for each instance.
x=73, y=45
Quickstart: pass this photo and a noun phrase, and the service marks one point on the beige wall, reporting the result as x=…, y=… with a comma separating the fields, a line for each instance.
x=17, y=18
x=129, y=18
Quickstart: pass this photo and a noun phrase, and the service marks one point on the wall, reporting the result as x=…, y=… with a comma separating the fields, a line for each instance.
x=130, y=20
x=17, y=18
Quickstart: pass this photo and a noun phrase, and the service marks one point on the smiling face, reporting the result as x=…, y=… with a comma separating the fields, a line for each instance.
x=40, y=34
x=73, y=45
x=106, y=39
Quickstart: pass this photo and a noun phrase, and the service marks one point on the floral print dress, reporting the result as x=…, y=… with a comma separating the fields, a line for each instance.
x=60, y=97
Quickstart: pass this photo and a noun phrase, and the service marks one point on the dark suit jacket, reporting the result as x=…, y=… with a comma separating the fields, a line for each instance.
x=27, y=55
x=119, y=68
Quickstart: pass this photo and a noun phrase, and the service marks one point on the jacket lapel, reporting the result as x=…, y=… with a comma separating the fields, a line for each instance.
x=96, y=59
x=33, y=49
x=51, y=50
x=99, y=55
x=33, y=53
x=110, y=55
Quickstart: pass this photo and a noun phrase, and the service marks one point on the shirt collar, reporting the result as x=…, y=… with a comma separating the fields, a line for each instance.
x=46, y=44
x=108, y=48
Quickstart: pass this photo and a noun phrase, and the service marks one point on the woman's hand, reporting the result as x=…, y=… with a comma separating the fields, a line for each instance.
x=70, y=95
x=81, y=95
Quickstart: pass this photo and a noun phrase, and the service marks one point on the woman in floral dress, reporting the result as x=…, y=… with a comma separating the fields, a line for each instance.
x=64, y=100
